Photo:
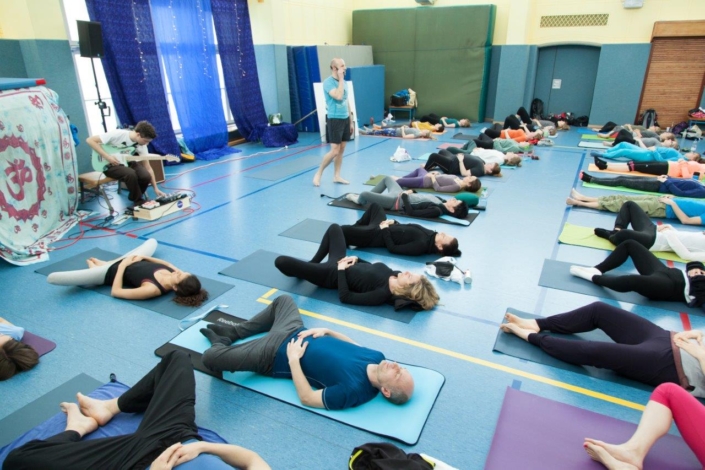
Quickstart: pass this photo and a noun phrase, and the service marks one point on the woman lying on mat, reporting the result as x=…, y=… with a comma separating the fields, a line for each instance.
x=461, y=164
x=680, y=187
x=374, y=230
x=674, y=168
x=687, y=211
x=503, y=145
x=420, y=178
x=166, y=437
x=427, y=126
x=15, y=356
x=549, y=127
x=414, y=204
x=519, y=135
x=641, y=351
x=358, y=282
x=650, y=140
x=655, y=280
x=627, y=151
x=668, y=403
x=404, y=132
x=137, y=276
x=612, y=127
x=446, y=121
x=688, y=245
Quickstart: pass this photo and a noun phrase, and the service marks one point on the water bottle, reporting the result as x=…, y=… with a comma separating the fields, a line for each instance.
x=467, y=277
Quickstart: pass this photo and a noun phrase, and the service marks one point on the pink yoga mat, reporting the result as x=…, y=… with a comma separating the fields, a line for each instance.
x=538, y=433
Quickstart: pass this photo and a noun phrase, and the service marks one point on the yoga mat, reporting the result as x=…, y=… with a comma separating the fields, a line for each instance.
x=556, y=275
x=288, y=168
x=423, y=157
x=461, y=136
x=595, y=137
x=31, y=415
x=448, y=145
x=512, y=345
x=401, y=422
x=53, y=423
x=535, y=433
x=591, y=145
x=259, y=268
x=312, y=230
x=593, y=168
x=483, y=193
x=162, y=304
x=585, y=236
x=444, y=219
x=39, y=344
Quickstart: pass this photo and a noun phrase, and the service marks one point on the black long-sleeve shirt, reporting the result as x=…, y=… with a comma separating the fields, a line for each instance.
x=409, y=239
x=365, y=284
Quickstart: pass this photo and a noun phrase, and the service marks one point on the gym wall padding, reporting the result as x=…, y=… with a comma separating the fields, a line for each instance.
x=267, y=73
x=617, y=93
x=295, y=106
x=282, y=68
x=304, y=87
x=493, y=82
x=354, y=56
x=441, y=53
x=11, y=60
x=369, y=100
x=513, y=72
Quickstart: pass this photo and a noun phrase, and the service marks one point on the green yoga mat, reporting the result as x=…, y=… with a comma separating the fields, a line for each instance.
x=482, y=194
x=594, y=137
x=585, y=236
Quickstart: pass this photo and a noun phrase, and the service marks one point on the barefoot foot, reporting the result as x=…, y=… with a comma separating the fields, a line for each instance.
x=75, y=421
x=524, y=323
x=600, y=452
x=515, y=329
x=317, y=179
x=571, y=202
x=340, y=180
x=101, y=411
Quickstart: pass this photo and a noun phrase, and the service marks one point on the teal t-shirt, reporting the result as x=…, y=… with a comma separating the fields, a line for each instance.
x=692, y=208
x=453, y=121
x=335, y=109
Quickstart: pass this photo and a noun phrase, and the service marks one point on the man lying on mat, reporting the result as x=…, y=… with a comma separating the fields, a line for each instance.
x=166, y=437
x=344, y=373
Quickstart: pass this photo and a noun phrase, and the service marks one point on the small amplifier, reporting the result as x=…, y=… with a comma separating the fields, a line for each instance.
x=161, y=210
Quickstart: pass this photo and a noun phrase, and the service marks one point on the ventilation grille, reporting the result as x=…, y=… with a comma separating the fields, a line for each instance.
x=562, y=21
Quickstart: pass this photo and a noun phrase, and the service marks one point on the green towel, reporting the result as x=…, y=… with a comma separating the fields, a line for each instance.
x=483, y=193
x=585, y=236
x=594, y=137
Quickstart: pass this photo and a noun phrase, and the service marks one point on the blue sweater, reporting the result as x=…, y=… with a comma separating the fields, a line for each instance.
x=683, y=187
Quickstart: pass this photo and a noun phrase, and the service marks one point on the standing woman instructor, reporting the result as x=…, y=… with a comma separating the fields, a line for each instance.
x=339, y=124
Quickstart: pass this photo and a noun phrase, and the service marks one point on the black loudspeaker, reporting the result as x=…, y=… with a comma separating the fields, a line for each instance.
x=90, y=38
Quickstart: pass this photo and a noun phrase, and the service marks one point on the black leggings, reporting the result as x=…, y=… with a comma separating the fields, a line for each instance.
x=641, y=183
x=624, y=136
x=607, y=127
x=365, y=233
x=166, y=396
x=524, y=116
x=495, y=131
x=431, y=118
x=444, y=160
x=655, y=280
x=484, y=141
x=512, y=122
x=315, y=271
x=641, y=350
x=643, y=230
x=652, y=168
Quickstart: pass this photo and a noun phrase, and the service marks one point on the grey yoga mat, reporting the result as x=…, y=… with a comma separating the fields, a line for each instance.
x=312, y=230
x=162, y=304
x=556, y=274
x=512, y=345
x=259, y=268
x=44, y=407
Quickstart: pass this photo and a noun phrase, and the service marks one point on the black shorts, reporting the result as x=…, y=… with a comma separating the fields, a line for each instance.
x=337, y=130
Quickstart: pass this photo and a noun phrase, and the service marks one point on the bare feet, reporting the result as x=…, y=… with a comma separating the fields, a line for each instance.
x=317, y=179
x=574, y=194
x=75, y=421
x=95, y=262
x=101, y=411
x=525, y=323
x=516, y=330
x=571, y=202
x=340, y=180
x=613, y=457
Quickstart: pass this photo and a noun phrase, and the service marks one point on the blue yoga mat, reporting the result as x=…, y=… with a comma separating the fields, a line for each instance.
x=401, y=422
x=556, y=274
x=53, y=423
x=512, y=345
x=286, y=168
x=162, y=304
x=259, y=268
x=312, y=230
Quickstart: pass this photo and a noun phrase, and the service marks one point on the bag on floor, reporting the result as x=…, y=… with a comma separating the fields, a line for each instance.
x=446, y=268
x=693, y=132
x=537, y=108
x=385, y=456
x=649, y=118
x=400, y=155
x=680, y=127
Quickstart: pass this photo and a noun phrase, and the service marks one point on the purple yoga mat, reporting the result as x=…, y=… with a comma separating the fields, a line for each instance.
x=538, y=433
x=41, y=345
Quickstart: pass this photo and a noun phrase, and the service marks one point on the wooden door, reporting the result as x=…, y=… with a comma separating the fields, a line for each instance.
x=674, y=79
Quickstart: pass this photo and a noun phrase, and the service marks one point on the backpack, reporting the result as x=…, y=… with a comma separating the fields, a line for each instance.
x=400, y=98
x=580, y=121
x=537, y=109
x=384, y=456
x=680, y=127
x=649, y=118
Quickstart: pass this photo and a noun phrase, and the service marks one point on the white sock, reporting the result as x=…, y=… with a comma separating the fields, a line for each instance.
x=584, y=272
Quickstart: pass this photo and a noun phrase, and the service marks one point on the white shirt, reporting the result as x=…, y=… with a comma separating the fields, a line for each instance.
x=688, y=245
x=120, y=138
x=489, y=155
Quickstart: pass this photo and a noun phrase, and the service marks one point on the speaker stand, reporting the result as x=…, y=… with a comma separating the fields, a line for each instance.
x=102, y=105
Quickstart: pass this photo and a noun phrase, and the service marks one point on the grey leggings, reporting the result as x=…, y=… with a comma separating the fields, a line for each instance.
x=280, y=319
x=388, y=200
x=641, y=183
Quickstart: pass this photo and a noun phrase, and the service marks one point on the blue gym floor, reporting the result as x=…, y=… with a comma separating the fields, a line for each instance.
x=237, y=214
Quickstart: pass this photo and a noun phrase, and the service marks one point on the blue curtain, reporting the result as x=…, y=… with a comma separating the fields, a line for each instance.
x=237, y=55
x=131, y=67
x=184, y=32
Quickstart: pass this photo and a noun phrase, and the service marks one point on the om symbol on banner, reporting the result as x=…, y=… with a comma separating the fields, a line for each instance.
x=23, y=177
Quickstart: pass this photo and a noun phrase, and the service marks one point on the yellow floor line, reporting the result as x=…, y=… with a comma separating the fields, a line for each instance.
x=465, y=357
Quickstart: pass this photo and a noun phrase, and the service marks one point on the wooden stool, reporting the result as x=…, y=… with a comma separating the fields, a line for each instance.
x=93, y=182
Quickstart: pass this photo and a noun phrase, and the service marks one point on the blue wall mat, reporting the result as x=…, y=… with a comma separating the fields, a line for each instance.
x=53, y=61
x=531, y=67
x=307, y=102
x=510, y=80
x=492, y=78
x=576, y=67
x=282, y=68
x=314, y=76
x=403, y=423
x=369, y=92
x=295, y=105
x=267, y=73
x=11, y=60
x=620, y=78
